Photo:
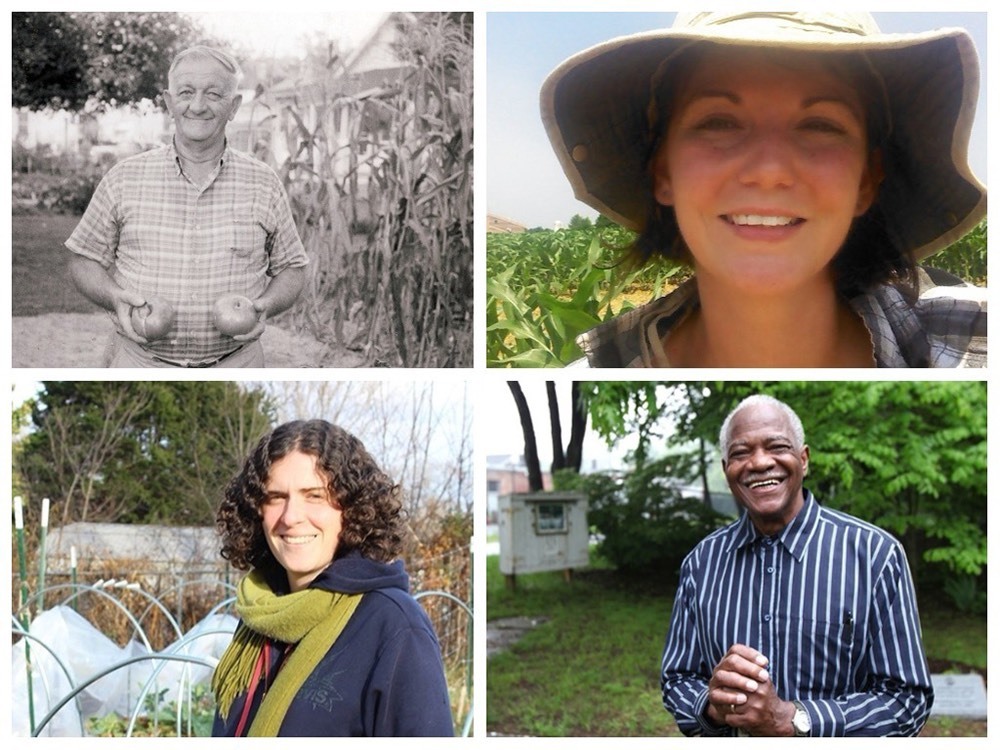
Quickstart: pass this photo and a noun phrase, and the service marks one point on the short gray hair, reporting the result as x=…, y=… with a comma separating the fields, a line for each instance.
x=760, y=399
x=203, y=51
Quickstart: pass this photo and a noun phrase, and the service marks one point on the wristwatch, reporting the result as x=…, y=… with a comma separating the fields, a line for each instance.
x=801, y=725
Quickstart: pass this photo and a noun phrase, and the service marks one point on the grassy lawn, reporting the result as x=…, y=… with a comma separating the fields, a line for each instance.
x=40, y=281
x=592, y=668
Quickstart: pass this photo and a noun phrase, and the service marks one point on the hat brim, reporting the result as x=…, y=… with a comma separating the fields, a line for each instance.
x=594, y=109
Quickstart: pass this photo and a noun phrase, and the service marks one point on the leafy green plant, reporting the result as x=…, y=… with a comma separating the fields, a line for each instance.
x=643, y=521
x=966, y=595
x=965, y=258
x=545, y=288
x=195, y=717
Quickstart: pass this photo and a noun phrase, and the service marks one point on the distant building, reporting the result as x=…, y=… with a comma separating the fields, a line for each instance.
x=506, y=475
x=501, y=225
x=135, y=550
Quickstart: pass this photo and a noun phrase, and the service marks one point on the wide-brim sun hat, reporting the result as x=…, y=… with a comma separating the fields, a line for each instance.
x=595, y=110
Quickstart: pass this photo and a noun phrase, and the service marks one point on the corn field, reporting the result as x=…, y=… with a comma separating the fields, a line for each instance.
x=380, y=183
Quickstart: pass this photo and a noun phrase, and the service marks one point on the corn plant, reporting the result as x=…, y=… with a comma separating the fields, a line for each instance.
x=544, y=288
x=380, y=181
x=966, y=257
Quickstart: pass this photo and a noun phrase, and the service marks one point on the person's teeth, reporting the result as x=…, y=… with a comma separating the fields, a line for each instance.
x=755, y=220
x=764, y=483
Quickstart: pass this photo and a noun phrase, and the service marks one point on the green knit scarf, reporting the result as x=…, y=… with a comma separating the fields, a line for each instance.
x=311, y=618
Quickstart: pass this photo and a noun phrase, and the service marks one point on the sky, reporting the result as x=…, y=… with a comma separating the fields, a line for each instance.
x=524, y=180
x=499, y=430
x=281, y=33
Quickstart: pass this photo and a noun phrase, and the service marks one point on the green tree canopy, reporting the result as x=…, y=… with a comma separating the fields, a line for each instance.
x=907, y=456
x=141, y=452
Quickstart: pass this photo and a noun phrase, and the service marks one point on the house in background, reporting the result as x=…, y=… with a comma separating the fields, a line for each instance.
x=501, y=225
x=507, y=474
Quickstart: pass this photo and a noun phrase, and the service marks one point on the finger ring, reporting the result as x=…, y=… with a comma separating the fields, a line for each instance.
x=732, y=708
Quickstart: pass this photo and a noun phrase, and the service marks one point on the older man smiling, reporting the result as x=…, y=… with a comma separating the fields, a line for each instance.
x=179, y=227
x=796, y=620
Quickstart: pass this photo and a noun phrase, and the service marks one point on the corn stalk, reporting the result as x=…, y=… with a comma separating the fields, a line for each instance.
x=380, y=182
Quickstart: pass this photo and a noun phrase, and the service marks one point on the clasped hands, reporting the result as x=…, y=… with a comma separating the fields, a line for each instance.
x=741, y=695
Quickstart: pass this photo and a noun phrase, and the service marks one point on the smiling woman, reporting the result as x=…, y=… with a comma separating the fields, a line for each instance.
x=802, y=163
x=325, y=610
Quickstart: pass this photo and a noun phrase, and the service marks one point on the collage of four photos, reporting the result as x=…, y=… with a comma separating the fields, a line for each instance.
x=454, y=489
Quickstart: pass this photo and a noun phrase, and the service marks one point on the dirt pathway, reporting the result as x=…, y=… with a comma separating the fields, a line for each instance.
x=78, y=340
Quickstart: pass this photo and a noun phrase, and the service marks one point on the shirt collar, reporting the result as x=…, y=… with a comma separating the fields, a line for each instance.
x=174, y=158
x=904, y=333
x=794, y=537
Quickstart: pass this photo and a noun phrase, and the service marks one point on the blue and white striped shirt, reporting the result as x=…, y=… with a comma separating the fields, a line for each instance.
x=829, y=601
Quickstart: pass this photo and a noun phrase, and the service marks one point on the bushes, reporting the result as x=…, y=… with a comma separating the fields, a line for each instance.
x=644, y=524
x=56, y=183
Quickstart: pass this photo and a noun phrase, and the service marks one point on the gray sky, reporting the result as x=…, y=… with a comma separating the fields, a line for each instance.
x=524, y=180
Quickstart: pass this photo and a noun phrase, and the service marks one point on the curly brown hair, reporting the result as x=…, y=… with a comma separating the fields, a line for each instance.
x=370, y=501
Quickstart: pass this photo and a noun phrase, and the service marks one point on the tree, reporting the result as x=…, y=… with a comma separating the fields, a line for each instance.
x=152, y=452
x=49, y=61
x=571, y=457
x=528, y=430
x=907, y=456
x=69, y=59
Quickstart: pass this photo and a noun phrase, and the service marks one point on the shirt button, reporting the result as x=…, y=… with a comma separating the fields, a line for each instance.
x=770, y=568
x=767, y=618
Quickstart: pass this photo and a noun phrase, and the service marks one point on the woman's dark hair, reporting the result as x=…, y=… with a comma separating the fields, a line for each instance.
x=369, y=500
x=869, y=255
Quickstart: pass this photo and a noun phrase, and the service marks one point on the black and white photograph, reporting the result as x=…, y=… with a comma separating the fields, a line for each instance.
x=242, y=189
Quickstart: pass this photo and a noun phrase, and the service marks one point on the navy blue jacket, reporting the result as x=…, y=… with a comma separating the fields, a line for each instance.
x=383, y=676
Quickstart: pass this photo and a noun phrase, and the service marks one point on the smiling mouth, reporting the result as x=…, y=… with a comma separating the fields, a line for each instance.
x=758, y=220
x=297, y=539
x=758, y=483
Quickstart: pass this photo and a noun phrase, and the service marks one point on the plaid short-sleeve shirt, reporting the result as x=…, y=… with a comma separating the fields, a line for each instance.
x=165, y=237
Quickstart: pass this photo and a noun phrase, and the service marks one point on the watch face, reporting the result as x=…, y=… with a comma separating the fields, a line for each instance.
x=800, y=721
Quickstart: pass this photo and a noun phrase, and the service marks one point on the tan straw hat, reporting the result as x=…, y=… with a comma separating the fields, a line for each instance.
x=594, y=107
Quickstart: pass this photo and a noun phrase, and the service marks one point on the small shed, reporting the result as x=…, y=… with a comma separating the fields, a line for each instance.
x=542, y=531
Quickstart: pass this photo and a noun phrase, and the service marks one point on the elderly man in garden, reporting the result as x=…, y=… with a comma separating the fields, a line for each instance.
x=796, y=620
x=171, y=232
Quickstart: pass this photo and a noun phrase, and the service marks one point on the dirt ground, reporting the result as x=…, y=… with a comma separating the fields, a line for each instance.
x=502, y=633
x=76, y=339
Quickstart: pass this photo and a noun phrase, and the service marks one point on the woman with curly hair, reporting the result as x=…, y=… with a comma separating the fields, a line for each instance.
x=330, y=643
